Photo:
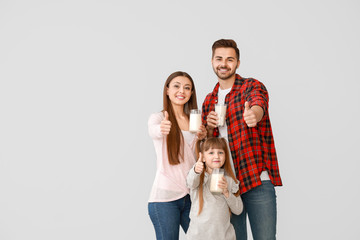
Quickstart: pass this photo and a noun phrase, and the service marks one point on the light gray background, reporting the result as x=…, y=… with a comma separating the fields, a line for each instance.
x=79, y=80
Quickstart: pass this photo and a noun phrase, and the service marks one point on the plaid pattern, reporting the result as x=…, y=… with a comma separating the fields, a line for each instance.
x=252, y=149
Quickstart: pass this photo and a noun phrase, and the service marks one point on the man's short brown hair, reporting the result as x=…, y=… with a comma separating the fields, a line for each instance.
x=226, y=43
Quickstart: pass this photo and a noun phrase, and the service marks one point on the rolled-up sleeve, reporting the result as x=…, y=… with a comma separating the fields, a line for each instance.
x=258, y=95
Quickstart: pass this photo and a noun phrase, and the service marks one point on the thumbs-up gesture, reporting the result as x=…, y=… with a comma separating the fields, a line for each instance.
x=249, y=116
x=165, y=124
x=199, y=166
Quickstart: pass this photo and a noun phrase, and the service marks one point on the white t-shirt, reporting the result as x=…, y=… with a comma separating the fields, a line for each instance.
x=223, y=132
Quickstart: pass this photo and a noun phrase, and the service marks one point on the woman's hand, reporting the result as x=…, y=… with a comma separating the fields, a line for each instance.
x=202, y=133
x=165, y=124
x=199, y=166
x=224, y=186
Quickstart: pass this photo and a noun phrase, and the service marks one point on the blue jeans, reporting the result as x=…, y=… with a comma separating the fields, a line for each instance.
x=260, y=205
x=167, y=217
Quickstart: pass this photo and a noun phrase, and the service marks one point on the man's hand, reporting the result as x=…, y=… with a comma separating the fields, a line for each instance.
x=212, y=120
x=252, y=115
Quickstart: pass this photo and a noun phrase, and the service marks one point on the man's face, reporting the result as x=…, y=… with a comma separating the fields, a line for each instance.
x=225, y=63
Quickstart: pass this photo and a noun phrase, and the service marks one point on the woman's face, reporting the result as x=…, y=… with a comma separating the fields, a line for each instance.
x=179, y=90
x=214, y=158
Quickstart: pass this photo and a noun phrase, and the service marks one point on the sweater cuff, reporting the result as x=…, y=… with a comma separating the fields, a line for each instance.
x=231, y=200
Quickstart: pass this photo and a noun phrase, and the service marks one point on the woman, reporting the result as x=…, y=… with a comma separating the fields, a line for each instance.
x=169, y=203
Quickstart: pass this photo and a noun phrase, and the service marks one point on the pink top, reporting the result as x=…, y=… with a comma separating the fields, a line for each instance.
x=170, y=180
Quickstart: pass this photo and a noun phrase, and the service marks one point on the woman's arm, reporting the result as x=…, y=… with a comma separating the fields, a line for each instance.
x=154, y=125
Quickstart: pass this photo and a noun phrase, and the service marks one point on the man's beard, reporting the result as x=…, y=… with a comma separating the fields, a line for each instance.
x=224, y=77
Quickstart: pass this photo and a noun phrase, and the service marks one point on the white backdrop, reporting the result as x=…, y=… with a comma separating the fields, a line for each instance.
x=79, y=80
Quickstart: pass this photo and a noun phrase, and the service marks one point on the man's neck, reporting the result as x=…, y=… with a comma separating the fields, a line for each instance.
x=227, y=83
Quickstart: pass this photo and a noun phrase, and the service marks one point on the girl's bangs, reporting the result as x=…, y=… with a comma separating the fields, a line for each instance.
x=214, y=143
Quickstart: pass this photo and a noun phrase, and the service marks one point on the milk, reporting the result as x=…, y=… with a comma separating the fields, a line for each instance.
x=216, y=176
x=195, y=120
x=220, y=109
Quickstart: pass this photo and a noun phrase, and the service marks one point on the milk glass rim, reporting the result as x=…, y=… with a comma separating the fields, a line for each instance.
x=195, y=111
x=218, y=170
x=220, y=104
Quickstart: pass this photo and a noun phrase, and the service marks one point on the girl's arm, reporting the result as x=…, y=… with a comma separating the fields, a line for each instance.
x=192, y=179
x=235, y=203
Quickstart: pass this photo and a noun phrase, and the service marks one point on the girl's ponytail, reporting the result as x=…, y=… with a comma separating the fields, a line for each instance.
x=198, y=149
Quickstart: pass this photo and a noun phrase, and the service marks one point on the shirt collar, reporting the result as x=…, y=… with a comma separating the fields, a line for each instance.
x=235, y=87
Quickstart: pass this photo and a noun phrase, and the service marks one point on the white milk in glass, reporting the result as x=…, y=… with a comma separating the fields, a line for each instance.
x=220, y=109
x=216, y=175
x=195, y=120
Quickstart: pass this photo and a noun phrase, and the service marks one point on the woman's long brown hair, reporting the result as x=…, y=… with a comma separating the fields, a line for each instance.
x=175, y=139
x=213, y=143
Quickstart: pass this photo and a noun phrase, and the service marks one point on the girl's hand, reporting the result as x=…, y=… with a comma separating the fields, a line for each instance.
x=202, y=133
x=224, y=186
x=165, y=124
x=199, y=167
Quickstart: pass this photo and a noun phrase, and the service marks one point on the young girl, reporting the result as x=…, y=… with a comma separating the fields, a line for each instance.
x=169, y=202
x=210, y=213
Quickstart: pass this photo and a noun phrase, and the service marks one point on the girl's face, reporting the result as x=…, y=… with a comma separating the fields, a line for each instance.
x=179, y=90
x=214, y=158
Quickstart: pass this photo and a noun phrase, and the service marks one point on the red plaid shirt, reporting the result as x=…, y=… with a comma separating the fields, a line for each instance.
x=252, y=149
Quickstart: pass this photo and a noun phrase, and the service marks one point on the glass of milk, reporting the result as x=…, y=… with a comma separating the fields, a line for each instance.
x=216, y=175
x=220, y=109
x=195, y=120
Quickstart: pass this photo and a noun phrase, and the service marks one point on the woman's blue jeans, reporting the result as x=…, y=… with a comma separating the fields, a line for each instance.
x=167, y=217
x=260, y=206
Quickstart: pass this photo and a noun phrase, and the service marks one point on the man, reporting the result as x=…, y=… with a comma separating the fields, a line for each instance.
x=250, y=139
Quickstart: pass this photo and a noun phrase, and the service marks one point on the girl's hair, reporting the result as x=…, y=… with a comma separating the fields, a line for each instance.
x=175, y=139
x=213, y=143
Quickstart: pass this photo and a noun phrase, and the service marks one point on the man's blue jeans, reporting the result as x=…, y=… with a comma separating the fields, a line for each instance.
x=167, y=217
x=260, y=205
